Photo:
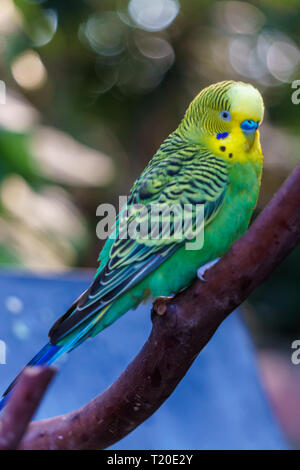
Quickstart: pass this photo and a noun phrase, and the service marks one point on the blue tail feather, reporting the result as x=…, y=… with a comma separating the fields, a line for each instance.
x=47, y=355
x=3, y=401
x=50, y=353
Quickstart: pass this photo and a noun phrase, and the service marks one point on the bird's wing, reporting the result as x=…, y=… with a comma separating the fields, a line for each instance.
x=182, y=178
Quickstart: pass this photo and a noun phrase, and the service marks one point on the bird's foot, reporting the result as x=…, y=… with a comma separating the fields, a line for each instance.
x=160, y=305
x=201, y=271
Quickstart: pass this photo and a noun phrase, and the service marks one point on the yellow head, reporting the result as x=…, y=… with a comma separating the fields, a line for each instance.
x=246, y=103
x=226, y=116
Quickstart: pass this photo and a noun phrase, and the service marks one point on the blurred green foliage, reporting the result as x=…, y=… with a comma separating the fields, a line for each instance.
x=93, y=87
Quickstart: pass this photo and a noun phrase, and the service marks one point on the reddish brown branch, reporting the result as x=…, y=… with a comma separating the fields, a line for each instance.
x=22, y=405
x=178, y=336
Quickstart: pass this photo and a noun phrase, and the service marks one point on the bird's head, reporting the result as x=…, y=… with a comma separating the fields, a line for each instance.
x=227, y=113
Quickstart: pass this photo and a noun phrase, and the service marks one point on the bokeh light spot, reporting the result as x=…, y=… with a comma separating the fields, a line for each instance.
x=239, y=17
x=282, y=60
x=21, y=330
x=155, y=15
x=105, y=33
x=28, y=70
x=44, y=28
x=10, y=18
x=14, y=304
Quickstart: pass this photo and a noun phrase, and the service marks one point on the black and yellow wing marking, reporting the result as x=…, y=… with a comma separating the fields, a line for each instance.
x=178, y=175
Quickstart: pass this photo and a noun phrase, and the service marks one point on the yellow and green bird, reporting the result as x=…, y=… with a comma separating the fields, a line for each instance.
x=213, y=160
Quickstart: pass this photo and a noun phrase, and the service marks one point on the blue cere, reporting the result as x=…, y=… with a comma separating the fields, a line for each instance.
x=249, y=126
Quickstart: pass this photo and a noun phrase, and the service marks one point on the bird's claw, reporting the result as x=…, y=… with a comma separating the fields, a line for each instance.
x=202, y=270
x=200, y=275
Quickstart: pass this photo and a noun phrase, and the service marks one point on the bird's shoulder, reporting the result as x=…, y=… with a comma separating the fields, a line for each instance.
x=181, y=169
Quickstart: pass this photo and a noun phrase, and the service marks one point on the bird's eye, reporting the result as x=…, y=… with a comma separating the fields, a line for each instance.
x=225, y=115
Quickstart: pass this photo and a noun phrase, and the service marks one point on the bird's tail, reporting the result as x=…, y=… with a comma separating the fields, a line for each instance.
x=47, y=355
x=51, y=352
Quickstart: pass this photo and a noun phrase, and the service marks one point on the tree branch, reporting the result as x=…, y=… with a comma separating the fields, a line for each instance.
x=22, y=404
x=177, y=337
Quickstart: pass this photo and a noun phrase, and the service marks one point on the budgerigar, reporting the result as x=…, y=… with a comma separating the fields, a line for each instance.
x=213, y=159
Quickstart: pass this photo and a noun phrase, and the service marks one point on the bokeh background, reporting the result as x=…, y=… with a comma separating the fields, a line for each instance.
x=92, y=89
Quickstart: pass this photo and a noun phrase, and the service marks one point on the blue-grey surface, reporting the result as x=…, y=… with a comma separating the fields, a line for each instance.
x=218, y=405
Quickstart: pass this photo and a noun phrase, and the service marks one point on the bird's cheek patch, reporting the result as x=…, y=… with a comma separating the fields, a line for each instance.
x=222, y=135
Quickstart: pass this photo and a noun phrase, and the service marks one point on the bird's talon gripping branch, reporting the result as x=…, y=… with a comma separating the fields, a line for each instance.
x=202, y=270
x=160, y=305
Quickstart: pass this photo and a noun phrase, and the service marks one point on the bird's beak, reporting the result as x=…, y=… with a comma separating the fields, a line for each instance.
x=249, y=128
